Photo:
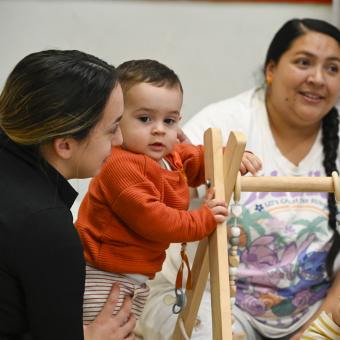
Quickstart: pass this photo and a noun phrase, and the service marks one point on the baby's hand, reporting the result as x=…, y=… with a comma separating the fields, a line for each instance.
x=250, y=163
x=217, y=207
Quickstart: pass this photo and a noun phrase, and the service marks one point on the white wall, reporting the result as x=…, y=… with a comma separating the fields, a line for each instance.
x=216, y=49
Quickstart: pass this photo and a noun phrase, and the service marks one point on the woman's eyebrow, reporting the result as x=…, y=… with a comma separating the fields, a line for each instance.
x=310, y=54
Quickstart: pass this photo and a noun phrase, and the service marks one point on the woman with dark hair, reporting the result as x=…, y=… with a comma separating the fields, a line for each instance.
x=292, y=125
x=59, y=118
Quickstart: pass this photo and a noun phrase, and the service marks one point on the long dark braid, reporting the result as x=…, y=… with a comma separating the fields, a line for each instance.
x=330, y=143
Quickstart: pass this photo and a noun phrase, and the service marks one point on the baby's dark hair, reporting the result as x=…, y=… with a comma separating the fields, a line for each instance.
x=149, y=71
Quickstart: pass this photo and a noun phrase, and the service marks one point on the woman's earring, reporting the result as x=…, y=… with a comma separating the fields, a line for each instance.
x=269, y=80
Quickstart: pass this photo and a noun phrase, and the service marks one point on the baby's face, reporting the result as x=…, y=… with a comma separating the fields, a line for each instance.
x=150, y=120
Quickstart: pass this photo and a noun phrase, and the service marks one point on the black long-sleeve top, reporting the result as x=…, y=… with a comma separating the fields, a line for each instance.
x=41, y=263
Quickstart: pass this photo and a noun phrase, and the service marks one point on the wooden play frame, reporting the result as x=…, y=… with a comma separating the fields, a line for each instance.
x=221, y=169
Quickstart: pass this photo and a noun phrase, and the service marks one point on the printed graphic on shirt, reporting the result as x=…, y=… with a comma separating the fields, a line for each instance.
x=283, y=247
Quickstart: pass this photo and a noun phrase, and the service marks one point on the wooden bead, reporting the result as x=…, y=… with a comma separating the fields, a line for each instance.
x=234, y=261
x=236, y=210
x=233, y=291
x=232, y=271
x=235, y=231
x=235, y=241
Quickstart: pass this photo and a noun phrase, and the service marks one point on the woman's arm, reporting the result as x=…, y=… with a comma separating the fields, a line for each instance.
x=53, y=275
x=327, y=305
x=51, y=270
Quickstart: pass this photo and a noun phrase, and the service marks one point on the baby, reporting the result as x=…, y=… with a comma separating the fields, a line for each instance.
x=138, y=203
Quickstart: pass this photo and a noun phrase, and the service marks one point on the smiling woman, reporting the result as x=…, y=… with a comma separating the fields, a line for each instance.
x=304, y=86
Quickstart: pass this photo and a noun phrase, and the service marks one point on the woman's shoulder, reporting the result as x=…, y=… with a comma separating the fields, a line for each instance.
x=28, y=190
x=234, y=113
x=241, y=103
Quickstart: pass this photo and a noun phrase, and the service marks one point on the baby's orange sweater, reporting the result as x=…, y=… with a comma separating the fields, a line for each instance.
x=134, y=209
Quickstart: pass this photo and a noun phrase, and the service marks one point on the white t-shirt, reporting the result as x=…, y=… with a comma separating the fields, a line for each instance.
x=281, y=278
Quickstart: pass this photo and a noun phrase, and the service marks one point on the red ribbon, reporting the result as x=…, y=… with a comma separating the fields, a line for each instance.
x=185, y=261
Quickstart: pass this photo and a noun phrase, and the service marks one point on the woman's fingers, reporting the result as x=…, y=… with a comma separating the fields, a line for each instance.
x=128, y=327
x=112, y=327
x=250, y=163
x=110, y=303
x=124, y=316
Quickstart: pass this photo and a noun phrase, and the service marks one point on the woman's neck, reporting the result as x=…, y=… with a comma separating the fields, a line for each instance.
x=50, y=157
x=294, y=142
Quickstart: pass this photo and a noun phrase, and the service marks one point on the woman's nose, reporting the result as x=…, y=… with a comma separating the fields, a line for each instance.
x=316, y=76
x=118, y=138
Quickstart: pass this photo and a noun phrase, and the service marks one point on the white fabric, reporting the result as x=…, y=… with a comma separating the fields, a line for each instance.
x=287, y=235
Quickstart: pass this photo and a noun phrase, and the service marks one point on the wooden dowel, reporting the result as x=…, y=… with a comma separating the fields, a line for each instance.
x=286, y=184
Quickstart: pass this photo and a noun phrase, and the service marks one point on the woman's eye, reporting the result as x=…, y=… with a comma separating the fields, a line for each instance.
x=333, y=69
x=302, y=62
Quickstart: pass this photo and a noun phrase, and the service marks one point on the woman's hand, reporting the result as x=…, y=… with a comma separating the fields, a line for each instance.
x=329, y=305
x=336, y=312
x=112, y=327
x=182, y=137
x=250, y=163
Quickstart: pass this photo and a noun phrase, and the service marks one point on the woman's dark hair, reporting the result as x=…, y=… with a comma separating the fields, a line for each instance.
x=281, y=42
x=294, y=29
x=55, y=93
x=330, y=143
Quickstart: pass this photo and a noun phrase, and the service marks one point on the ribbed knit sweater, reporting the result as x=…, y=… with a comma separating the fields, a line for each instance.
x=134, y=209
